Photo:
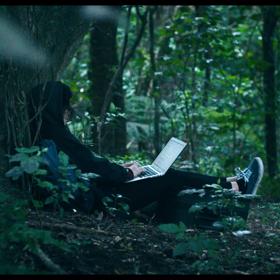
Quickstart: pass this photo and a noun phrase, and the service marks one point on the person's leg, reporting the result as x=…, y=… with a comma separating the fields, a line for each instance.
x=143, y=192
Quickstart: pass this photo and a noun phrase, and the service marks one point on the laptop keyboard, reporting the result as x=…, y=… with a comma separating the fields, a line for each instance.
x=147, y=172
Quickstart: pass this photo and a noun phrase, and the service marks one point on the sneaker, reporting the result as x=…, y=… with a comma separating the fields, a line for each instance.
x=251, y=175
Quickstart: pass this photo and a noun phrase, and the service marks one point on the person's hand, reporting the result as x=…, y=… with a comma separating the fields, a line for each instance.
x=134, y=167
x=127, y=164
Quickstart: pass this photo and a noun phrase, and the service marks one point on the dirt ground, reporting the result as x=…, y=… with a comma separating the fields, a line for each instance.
x=100, y=244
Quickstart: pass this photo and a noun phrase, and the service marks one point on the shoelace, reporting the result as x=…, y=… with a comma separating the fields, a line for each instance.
x=243, y=174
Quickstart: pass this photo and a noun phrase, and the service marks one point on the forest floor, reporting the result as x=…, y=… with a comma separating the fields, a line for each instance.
x=106, y=245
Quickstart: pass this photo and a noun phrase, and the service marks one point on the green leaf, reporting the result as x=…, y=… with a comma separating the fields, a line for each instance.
x=37, y=203
x=30, y=165
x=15, y=172
x=196, y=208
x=180, y=235
x=18, y=157
x=182, y=226
x=125, y=207
x=180, y=249
x=169, y=228
x=218, y=225
x=65, y=198
x=46, y=185
x=107, y=200
x=49, y=200
x=40, y=172
x=196, y=245
x=71, y=196
x=30, y=150
x=63, y=158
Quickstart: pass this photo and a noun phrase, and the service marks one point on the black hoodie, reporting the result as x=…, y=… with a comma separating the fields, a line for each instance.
x=50, y=99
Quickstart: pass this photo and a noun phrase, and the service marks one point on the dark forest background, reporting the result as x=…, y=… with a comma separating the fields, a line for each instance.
x=208, y=75
x=205, y=74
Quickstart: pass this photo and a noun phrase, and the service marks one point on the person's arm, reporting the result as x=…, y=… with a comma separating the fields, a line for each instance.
x=85, y=160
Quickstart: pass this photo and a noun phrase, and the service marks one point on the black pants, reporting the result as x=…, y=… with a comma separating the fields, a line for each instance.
x=144, y=192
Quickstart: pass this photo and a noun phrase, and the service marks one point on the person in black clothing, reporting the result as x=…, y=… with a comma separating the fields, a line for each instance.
x=49, y=104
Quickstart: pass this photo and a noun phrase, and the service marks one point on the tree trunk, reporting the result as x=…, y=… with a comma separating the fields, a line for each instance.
x=201, y=11
x=207, y=78
x=103, y=64
x=270, y=18
x=58, y=30
x=153, y=84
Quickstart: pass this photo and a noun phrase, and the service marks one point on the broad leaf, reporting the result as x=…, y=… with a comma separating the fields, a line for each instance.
x=181, y=249
x=46, y=185
x=15, y=172
x=18, y=157
x=169, y=228
x=30, y=150
x=182, y=226
x=49, y=200
x=196, y=208
x=63, y=159
x=218, y=225
x=30, y=165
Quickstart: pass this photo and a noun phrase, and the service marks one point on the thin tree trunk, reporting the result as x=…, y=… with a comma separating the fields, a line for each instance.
x=207, y=78
x=201, y=11
x=153, y=86
x=193, y=93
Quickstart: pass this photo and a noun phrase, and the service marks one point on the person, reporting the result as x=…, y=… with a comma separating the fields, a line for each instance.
x=49, y=105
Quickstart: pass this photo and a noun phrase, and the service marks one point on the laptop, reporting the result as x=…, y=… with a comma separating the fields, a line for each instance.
x=163, y=161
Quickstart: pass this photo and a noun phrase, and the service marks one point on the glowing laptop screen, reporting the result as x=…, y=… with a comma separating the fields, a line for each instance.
x=169, y=154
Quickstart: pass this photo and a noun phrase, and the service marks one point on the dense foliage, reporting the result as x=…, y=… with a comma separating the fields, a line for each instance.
x=199, y=73
x=208, y=79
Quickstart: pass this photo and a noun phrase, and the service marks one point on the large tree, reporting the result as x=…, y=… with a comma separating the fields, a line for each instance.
x=37, y=43
x=103, y=63
x=107, y=75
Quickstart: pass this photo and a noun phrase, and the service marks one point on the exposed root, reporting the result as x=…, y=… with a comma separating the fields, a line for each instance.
x=47, y=261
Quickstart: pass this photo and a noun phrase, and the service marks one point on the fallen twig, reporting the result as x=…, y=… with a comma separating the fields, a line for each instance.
x=240, y=272
x=69, y=227
x=47, y=261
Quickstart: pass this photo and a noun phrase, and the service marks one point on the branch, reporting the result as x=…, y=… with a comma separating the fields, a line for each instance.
x=138, y=39
x=47, y=261
x=68, y=227
x=126, y=34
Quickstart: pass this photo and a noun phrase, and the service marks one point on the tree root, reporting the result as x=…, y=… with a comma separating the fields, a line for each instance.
x=47, y=261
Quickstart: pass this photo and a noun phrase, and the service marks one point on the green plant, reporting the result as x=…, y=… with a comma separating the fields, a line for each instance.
x=141, y=158
x=17, y=238
x=270, y=187
x=64, y=191
x=230, y=208
x=200, y=246
x=31, y=161
x=195, y=244
x=116, y=205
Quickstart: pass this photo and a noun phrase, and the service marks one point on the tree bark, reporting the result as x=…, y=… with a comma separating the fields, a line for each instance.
x=103, y=64
x=58, y=30
x=270, y=18
x=126, y=56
